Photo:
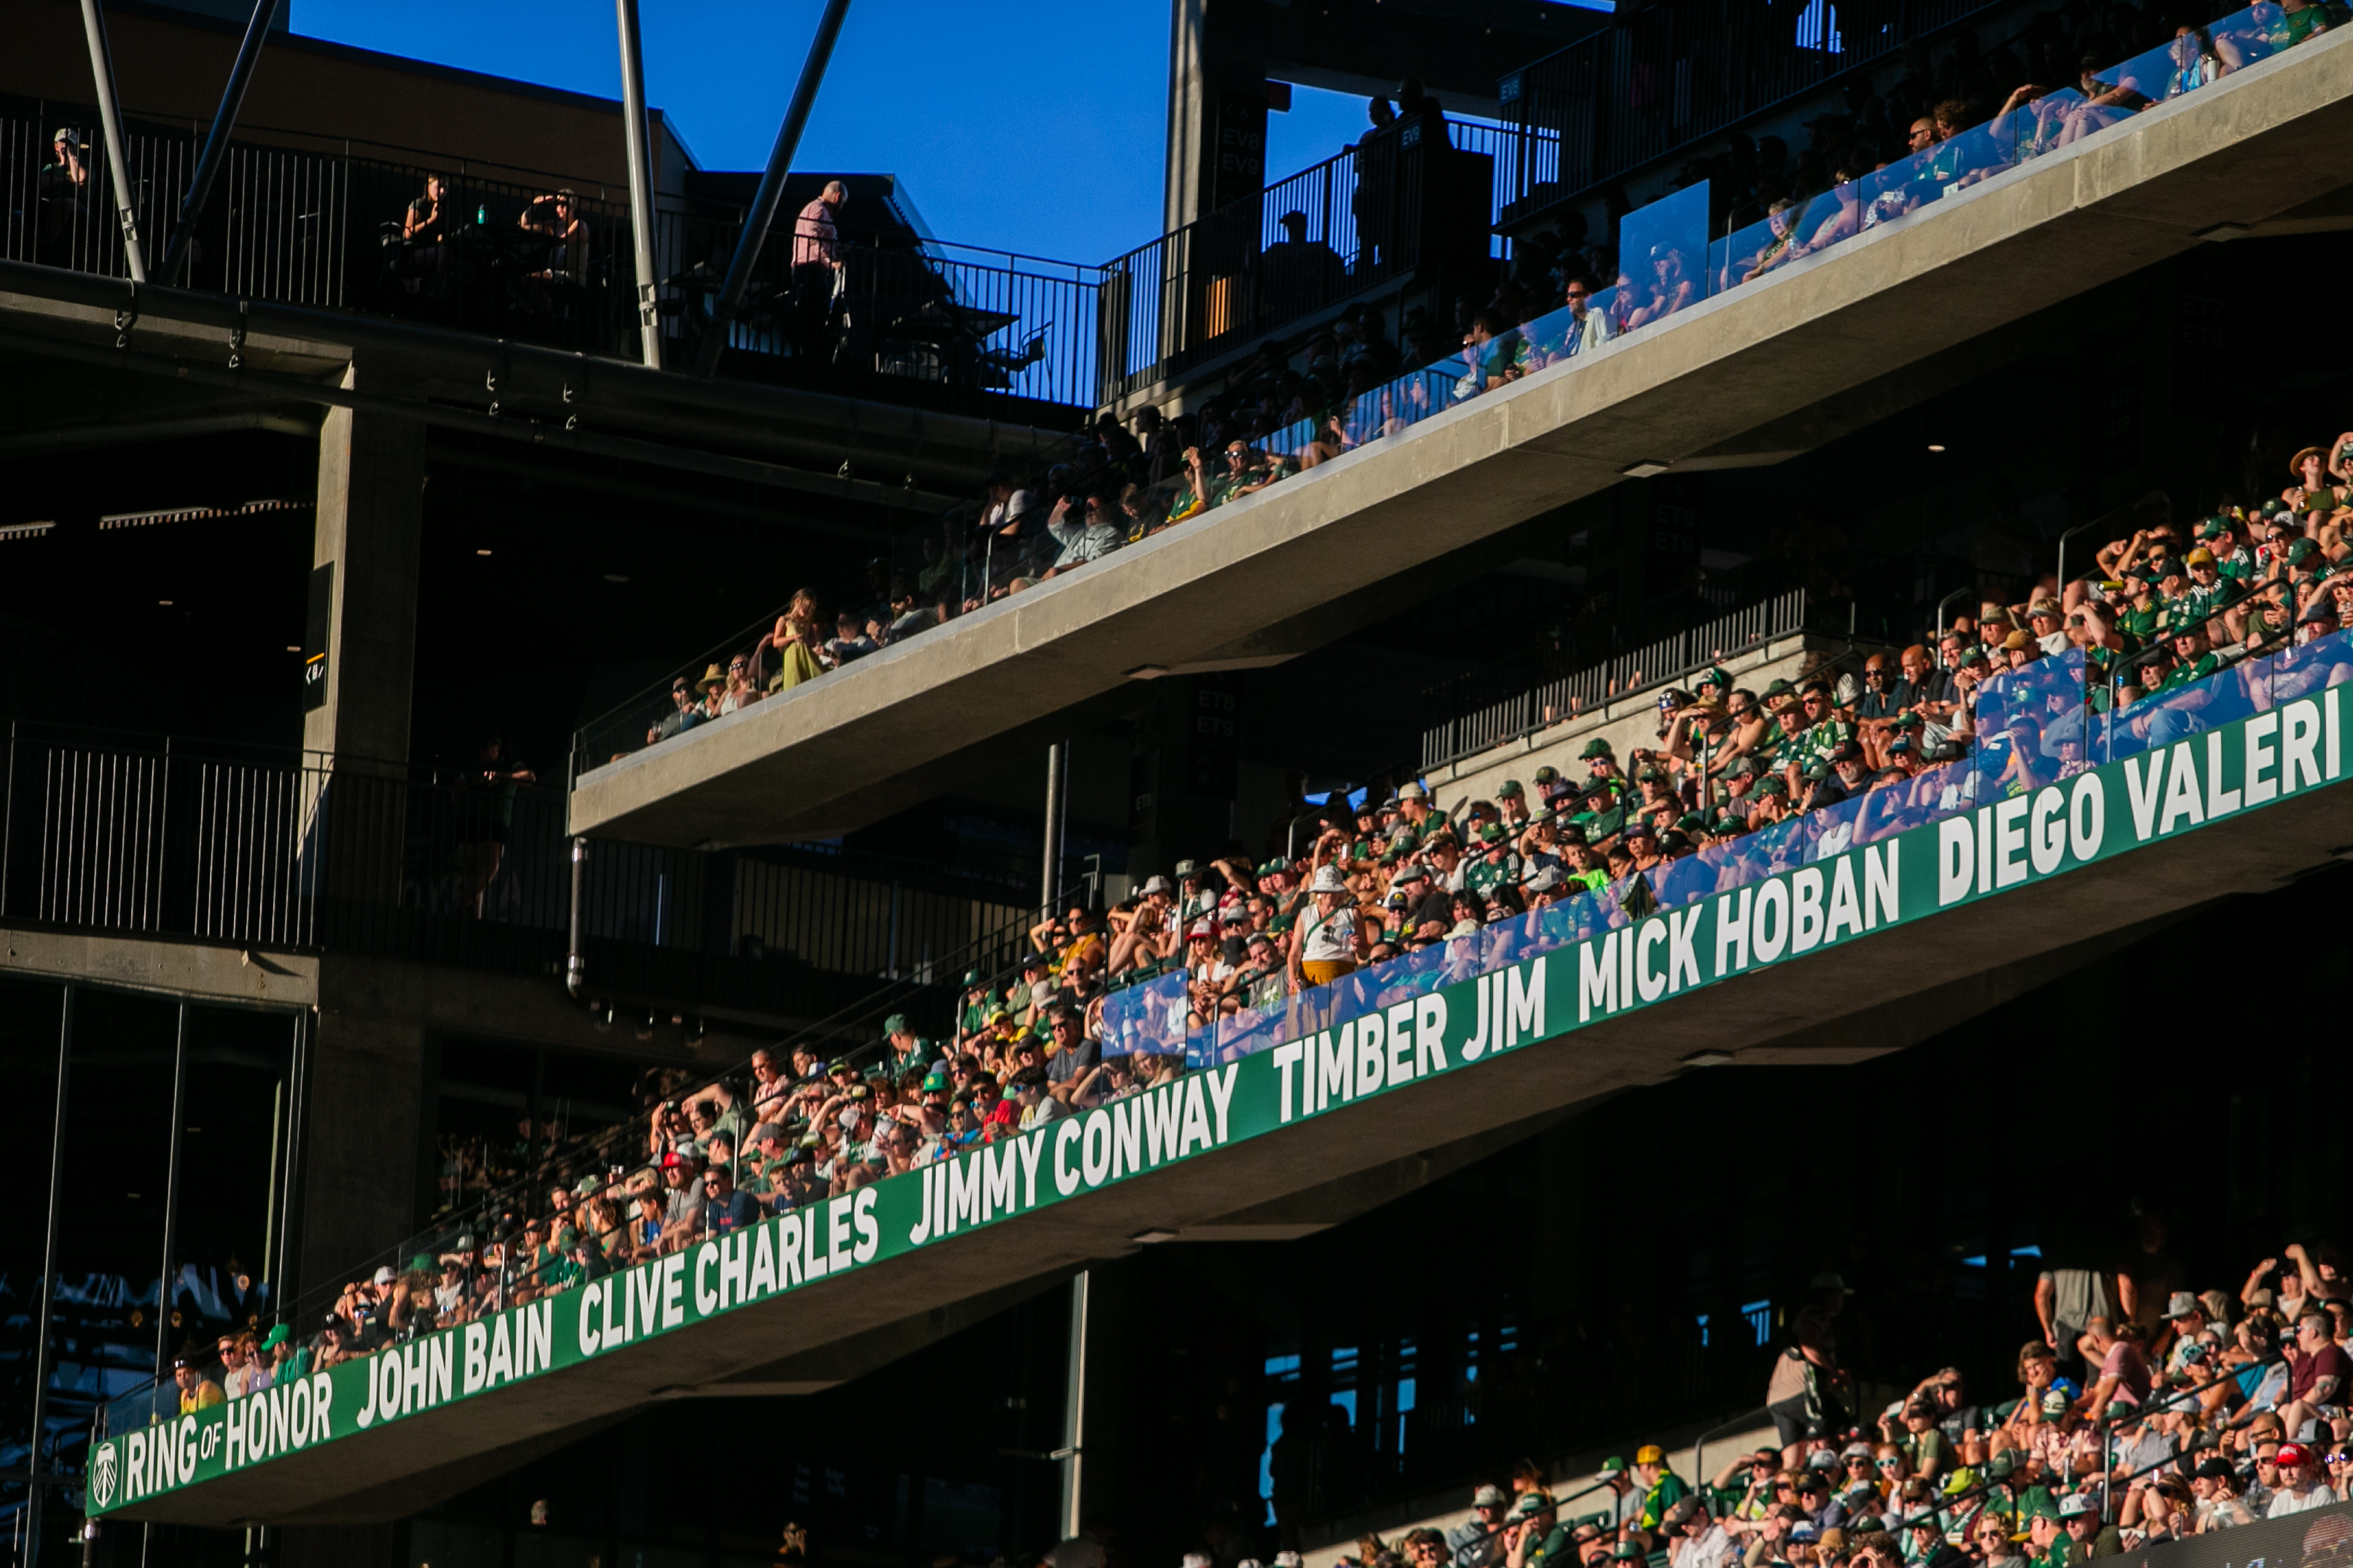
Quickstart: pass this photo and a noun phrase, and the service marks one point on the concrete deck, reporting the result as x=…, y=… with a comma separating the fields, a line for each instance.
x=855, y=745
x=1928, y=976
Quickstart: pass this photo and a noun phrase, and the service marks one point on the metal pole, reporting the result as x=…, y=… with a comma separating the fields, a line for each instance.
x=575, y=962
x=772, y=186
x=641, y=178
x=44, y=1319
x=271, y=1216
x=209, y=163
x=290, y=1208
x=172, y=1199
x=110, y=113
x=1049, y=876
x=1074, y=1409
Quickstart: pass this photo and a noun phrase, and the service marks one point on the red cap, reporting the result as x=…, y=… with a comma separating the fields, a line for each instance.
x=2293, y=1454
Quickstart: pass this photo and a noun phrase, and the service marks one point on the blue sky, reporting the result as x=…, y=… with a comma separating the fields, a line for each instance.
x=1030, y=125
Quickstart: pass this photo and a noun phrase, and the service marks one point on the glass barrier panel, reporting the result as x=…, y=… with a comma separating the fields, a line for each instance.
x=2310, y=668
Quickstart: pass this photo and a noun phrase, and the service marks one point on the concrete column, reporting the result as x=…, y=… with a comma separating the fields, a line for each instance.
x=364, y=1140
x=364, y=567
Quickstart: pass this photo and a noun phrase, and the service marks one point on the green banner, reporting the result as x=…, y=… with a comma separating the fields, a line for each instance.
x=2005, y=844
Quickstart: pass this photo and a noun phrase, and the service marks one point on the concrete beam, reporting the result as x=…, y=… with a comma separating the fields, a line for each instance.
x=1928, y=974
x=813, y=763
x=881, y=441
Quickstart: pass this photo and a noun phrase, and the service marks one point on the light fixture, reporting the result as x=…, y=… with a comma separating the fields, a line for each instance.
x=481, y=553
x=1648, y=468
x=166, y=604
x=1147, y=672
x=1707, y=1059
x=1935, y=446
x=1148, y=1237
x=293, y=648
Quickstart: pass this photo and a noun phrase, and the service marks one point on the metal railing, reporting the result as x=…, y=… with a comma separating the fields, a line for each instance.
x=1483, y=708
x=324, y=228
x=1657, y=80
x=229, y=845
x=1366, y=218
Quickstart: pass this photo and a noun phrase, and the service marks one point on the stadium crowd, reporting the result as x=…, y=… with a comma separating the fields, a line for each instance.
x=2135, y=1422
x=2010, y=698
x=1952, y=117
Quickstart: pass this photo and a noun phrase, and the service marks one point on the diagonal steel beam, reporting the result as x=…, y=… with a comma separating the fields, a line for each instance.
x=641, y=179
x=209, y=163
x=109, y=114
x=772, y=187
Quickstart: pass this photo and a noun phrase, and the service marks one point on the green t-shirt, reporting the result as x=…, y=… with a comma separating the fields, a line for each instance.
x=1671, y=1489
x=1483, y=878
x=2191, y=674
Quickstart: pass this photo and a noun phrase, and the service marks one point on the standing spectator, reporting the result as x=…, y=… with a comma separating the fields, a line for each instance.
x=1806, y=1385
x=486, y=797
x=816, y=266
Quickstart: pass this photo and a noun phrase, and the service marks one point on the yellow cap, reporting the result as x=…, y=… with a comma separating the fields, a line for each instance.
x=1650, y=1453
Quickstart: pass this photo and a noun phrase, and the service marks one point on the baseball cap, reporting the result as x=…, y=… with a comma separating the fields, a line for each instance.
x=1650, y=1453
x=1596, y=747
x=1612, y=1469
x=1489, y=1496
x=2294, y=1454
x=382, y=1276
x=2181, y=1303
x=896, y=1024
x=2076, y=1504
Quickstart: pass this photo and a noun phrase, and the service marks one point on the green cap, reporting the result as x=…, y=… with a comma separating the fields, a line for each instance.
x=1769, y=784
x=1547, y=774
x=935, y=1083
x=2301, y=552
x=1715, y=676
x=276, y=1337
x=1596, y=747
x=1650, y=775
x=2215, y=527
x=1492, y=834
x=1817, y=771
x=896, y=1024
x=972, y=977
x=1509, y=790
x=1779, y=688
x=422, y=1264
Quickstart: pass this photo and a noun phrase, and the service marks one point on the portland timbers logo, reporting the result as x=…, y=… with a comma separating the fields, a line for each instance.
x=101, y=1476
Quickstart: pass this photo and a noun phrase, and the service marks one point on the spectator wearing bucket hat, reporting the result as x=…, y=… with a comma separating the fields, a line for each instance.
x=1327, y=942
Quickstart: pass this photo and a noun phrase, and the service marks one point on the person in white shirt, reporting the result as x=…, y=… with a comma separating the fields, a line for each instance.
x=2302, y=1486
x=1694, y=1539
